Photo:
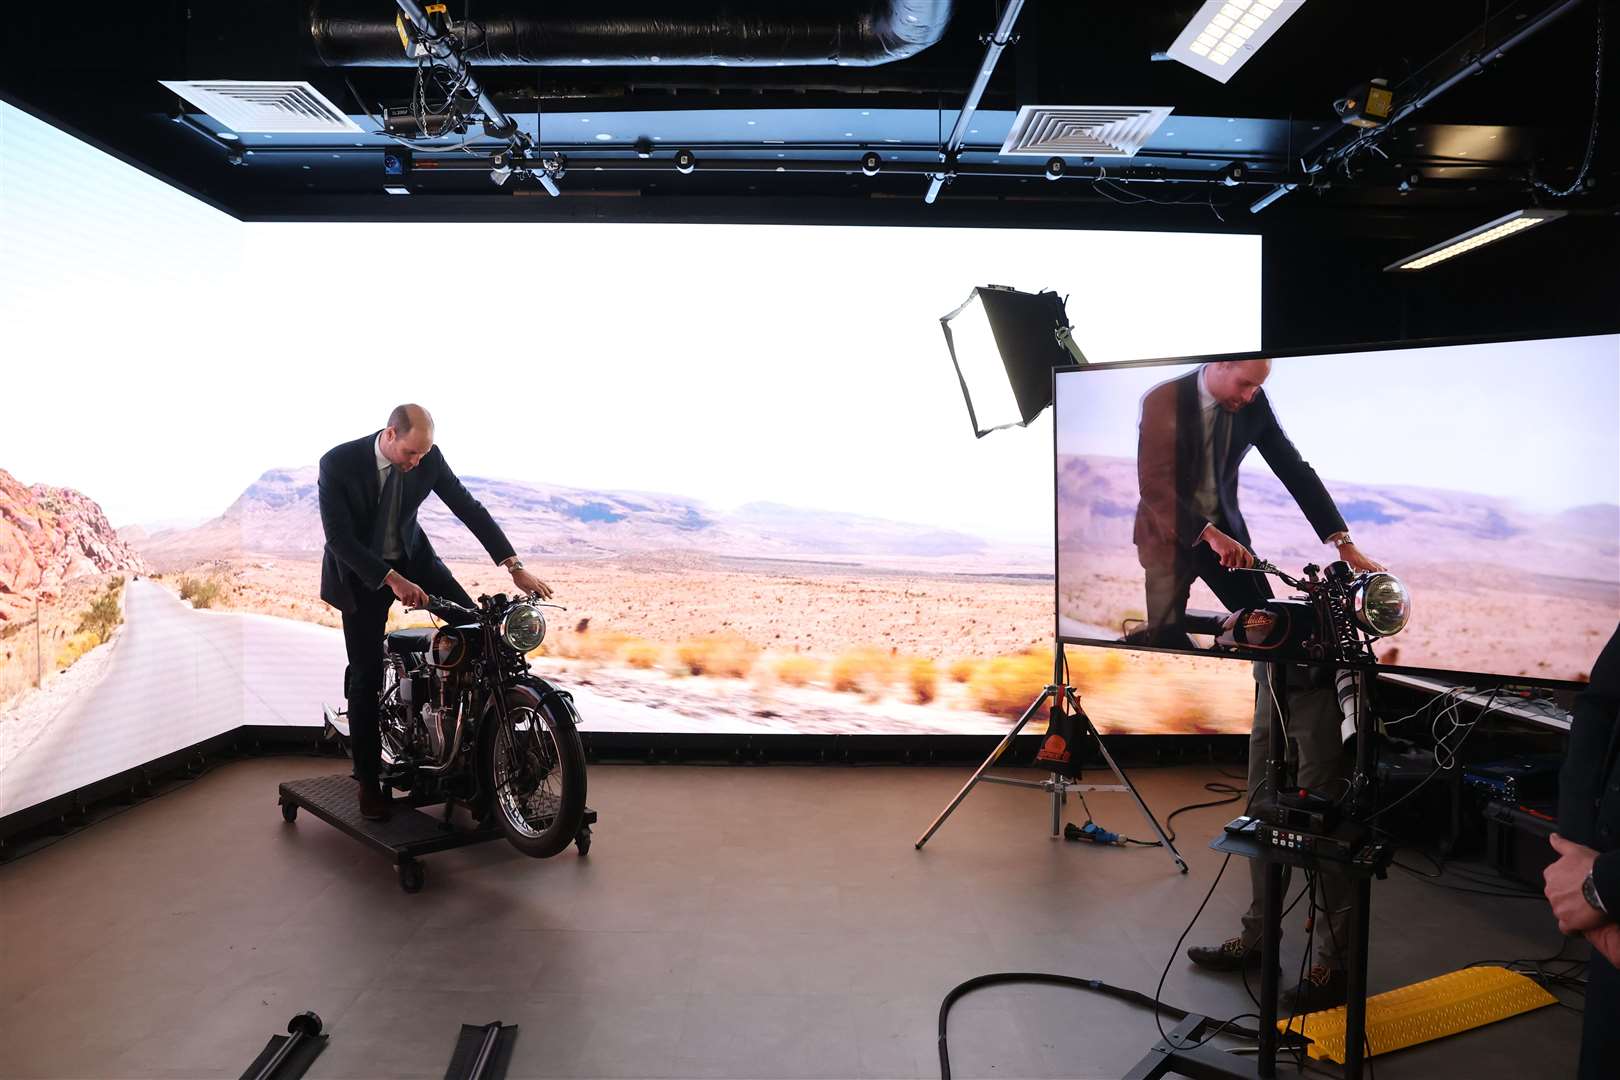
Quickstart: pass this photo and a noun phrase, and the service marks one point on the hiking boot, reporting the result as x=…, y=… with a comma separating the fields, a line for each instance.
x=1229, y=955
x=1323, y=988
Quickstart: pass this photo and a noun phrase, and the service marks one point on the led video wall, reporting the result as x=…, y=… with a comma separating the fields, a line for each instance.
x=737, y=454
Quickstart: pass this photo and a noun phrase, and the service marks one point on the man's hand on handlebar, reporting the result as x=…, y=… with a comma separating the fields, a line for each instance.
x=1233, y=555
x=408, y=592
x=1352, y=555
x=531, y=585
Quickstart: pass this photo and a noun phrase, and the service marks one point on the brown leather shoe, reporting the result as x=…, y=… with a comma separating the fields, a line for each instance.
x=374, y=805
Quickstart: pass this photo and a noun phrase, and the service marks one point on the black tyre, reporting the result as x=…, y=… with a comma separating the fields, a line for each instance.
x=289, y=811
x=533, y=767
x=583, y=840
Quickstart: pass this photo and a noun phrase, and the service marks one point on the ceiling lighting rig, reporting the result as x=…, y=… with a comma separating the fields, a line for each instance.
x=429, y=36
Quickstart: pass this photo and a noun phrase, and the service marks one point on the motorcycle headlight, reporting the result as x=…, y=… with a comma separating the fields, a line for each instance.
x=1382, y=604
x=523, y=627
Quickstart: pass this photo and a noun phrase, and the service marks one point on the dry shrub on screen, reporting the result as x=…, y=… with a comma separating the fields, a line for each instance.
x=642, y=655
x=796, y=669
x=1187, y=713
x=202, y=592
x=1007, y=684
x=863, y=671
x=962, y=669
x=1092, y=669
x=588, y=644
x=103, y=613
x=726, y=655
x=74, y=647
x=924, y=679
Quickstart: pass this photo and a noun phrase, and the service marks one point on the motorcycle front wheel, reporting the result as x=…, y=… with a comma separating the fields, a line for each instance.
x=533, y=766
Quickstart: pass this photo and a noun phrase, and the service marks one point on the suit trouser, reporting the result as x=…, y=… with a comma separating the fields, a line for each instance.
x=1315, y=748
x=1169, y=579
x=1600, y=1027
x=363, y=638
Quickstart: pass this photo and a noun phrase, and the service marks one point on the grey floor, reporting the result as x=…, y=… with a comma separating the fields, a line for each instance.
x=729, y=922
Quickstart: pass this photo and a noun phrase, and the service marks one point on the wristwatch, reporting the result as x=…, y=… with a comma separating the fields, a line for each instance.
x=513, y=564
x=1589, y=891
x=1340, y=539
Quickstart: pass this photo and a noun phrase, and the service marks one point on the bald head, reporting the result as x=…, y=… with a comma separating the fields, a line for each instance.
x=408, y=436
x=1235, y=382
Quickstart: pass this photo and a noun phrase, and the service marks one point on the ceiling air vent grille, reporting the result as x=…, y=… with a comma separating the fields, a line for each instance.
x=1088, y=130
x=272, y=108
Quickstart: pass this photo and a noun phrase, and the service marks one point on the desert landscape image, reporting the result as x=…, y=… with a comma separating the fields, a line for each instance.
x=1534, y=595
x=678, y=618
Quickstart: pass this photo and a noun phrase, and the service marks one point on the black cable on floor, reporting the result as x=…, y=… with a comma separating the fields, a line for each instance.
x=1232, y=795
x=1135, y=997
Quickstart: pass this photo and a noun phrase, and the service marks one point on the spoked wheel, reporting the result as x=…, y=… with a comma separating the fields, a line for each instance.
x=534, y=765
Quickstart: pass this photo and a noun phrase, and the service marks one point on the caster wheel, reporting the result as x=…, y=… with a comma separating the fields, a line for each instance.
x=289, y=811
x=583, y=840
x=412, y=876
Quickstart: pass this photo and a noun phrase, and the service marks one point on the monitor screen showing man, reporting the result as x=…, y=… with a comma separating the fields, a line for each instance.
x=1229, y=507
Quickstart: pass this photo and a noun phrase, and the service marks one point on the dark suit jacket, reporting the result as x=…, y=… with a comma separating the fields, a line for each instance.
x=1589, y=786
x=349, y=493
x=1169, y=462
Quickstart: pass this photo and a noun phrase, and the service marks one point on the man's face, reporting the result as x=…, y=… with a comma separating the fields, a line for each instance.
x=407, y=451
x=1235, y=383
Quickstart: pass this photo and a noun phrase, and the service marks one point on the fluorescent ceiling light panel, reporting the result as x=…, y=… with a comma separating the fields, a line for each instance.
x=1488, y=233
x=1225, y=33
x=270, y=108
x=1086, y=130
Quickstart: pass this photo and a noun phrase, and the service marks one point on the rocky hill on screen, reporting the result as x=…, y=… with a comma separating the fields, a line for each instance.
x=50, y=536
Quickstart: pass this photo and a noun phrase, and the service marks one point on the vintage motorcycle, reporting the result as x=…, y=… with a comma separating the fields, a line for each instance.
x=1336, y=616
x=464, y=721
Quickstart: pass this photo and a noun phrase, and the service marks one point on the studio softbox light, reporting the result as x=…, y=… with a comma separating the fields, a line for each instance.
x=1005, y=344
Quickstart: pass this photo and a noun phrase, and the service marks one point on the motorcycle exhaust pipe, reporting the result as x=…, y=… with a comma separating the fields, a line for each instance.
x=455, y=750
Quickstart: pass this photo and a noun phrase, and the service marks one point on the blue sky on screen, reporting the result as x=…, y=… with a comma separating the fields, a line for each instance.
x=1530, y=421
x=172, y=354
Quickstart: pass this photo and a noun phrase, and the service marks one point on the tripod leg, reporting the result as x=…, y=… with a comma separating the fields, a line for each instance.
x=1080, y=713
x=1060, y=798
x=995, y=755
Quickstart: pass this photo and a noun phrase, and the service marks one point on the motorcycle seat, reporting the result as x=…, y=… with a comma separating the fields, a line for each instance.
x=414, y=640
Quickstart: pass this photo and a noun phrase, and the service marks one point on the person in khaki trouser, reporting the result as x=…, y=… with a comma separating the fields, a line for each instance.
x=1320, y=764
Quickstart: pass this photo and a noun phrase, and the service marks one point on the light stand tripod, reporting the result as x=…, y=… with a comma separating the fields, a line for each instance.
x=1058, y=693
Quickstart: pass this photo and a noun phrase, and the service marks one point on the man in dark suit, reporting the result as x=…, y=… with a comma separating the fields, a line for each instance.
x=1194, y=434
x=1583, y=885
x=376, y=552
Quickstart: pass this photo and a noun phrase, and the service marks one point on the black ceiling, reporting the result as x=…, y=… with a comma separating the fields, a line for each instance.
x=785, y=142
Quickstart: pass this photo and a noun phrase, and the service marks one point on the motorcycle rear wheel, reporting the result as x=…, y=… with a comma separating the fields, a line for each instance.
x=533, y=766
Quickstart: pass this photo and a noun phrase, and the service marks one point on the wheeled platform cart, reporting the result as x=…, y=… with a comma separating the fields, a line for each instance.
x=406, y=836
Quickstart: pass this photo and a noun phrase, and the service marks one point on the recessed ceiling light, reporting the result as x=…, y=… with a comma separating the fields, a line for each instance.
x=397, y=190
x=751, y=123
x=849, y=134
x=1224, y=34
x=654, y=59
x=866, y=112
x=584, y=119
x=604, y=136
x=230, y=136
